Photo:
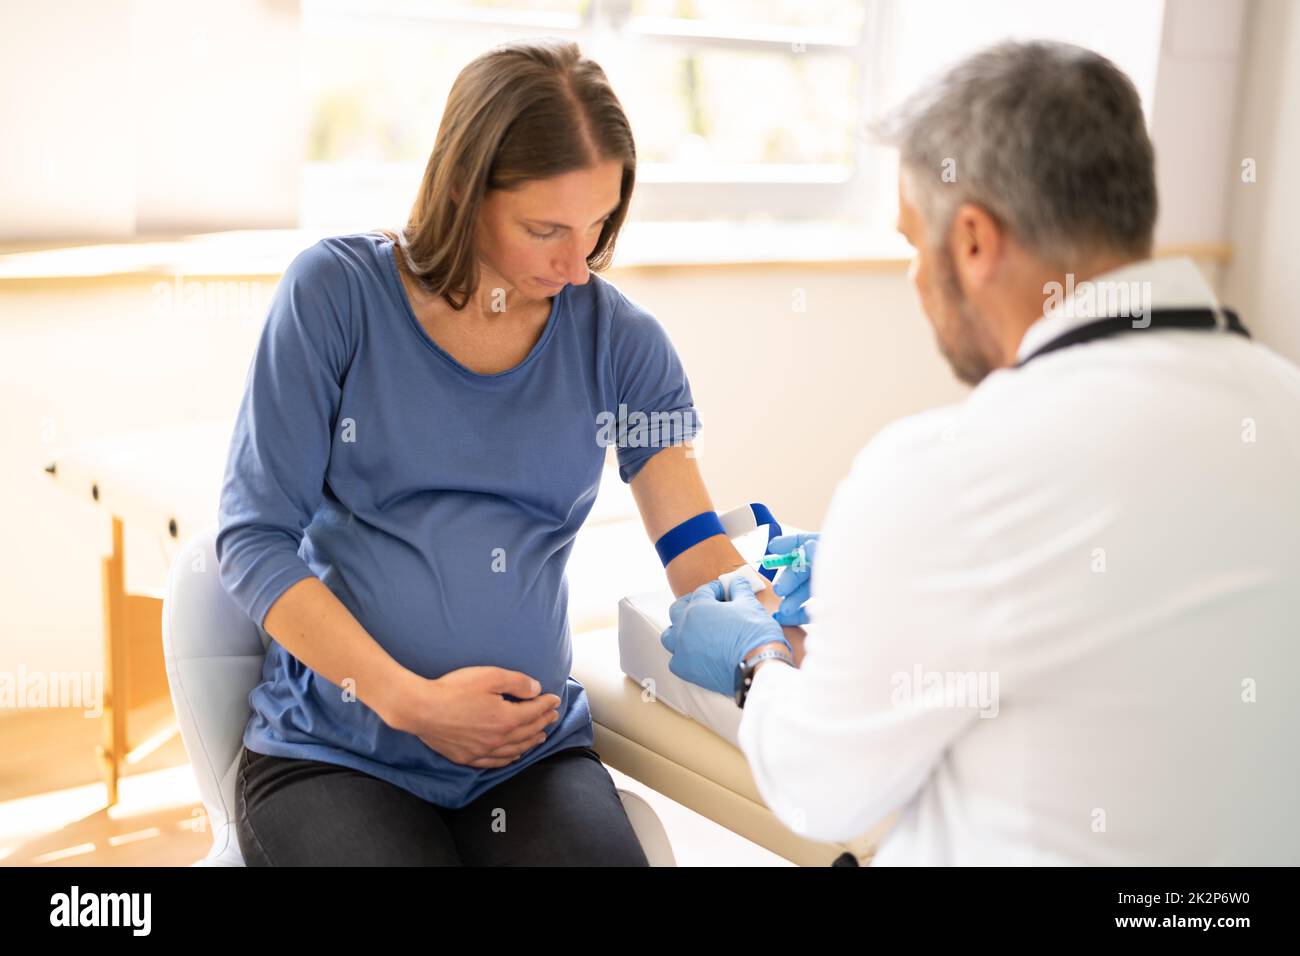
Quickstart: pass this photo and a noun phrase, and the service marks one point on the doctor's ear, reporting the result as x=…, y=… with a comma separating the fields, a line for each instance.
x=977, y=241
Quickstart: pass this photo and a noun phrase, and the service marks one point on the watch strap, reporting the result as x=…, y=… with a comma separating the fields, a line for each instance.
x=746, y=671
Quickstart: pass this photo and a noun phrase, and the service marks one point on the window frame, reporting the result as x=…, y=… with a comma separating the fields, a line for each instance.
x=665, y=192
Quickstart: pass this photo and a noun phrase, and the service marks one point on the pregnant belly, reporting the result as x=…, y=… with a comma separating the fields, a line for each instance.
x=436, y=611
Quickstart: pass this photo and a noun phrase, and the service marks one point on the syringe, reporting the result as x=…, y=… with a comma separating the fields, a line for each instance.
x=795, y=560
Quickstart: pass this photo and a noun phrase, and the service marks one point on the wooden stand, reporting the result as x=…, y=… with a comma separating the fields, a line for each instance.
x=137, y=702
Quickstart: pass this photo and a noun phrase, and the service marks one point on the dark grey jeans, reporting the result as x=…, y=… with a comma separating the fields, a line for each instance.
x=561, y=811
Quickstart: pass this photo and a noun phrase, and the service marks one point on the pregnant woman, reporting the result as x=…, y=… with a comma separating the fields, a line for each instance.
x=422, y=433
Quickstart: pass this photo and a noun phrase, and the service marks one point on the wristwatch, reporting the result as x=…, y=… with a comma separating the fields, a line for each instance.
x=745, y=671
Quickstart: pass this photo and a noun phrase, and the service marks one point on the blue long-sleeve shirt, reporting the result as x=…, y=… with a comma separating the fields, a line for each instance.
x=439, y=504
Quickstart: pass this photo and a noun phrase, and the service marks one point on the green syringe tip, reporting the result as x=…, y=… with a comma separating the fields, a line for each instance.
x=793, y=558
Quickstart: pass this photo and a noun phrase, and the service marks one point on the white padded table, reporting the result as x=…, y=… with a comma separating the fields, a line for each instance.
x=683, y=737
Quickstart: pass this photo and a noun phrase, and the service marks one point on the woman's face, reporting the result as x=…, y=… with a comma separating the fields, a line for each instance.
x=536, y=238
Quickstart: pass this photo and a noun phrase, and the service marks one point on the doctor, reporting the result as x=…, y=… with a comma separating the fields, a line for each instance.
x=1055, y=618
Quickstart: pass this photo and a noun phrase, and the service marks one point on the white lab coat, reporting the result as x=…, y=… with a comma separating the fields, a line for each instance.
x=1107, y=543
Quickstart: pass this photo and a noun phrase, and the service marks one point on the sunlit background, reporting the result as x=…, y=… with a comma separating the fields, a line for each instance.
x=744, y=111
x=164, y=160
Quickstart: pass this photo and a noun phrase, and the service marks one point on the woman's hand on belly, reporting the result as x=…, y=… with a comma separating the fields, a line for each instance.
x=463, y=716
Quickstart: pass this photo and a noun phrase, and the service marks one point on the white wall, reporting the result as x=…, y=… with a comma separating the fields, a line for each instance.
x=1191, y=114
x=1263, y=280
x=65, y=169
x=786, y=397
x=125, y=117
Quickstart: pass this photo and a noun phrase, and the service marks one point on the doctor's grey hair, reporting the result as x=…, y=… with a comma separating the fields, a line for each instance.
x=1048, y=137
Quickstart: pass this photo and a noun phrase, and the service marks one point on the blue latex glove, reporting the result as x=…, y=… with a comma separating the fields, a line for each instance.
x=794, y=587
x=708, y=636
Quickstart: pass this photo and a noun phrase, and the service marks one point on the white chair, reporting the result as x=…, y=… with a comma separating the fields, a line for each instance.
x=214, y=658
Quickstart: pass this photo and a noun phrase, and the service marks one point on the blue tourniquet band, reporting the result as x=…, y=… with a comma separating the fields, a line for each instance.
x=688, y=534
x=763, y=516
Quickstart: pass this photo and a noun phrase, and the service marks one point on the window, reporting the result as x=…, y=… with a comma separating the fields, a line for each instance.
x=743, y=110
x=736, y=105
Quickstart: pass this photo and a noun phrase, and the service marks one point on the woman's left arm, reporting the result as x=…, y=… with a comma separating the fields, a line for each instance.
x=669, y=489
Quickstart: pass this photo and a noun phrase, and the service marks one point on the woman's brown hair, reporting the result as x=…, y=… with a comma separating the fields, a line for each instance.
x=524, y=110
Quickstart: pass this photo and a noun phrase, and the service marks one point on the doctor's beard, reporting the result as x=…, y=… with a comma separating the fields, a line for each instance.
x=962, y=336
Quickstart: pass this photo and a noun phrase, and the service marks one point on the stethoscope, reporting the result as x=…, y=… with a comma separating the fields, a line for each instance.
x=1215, y=318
